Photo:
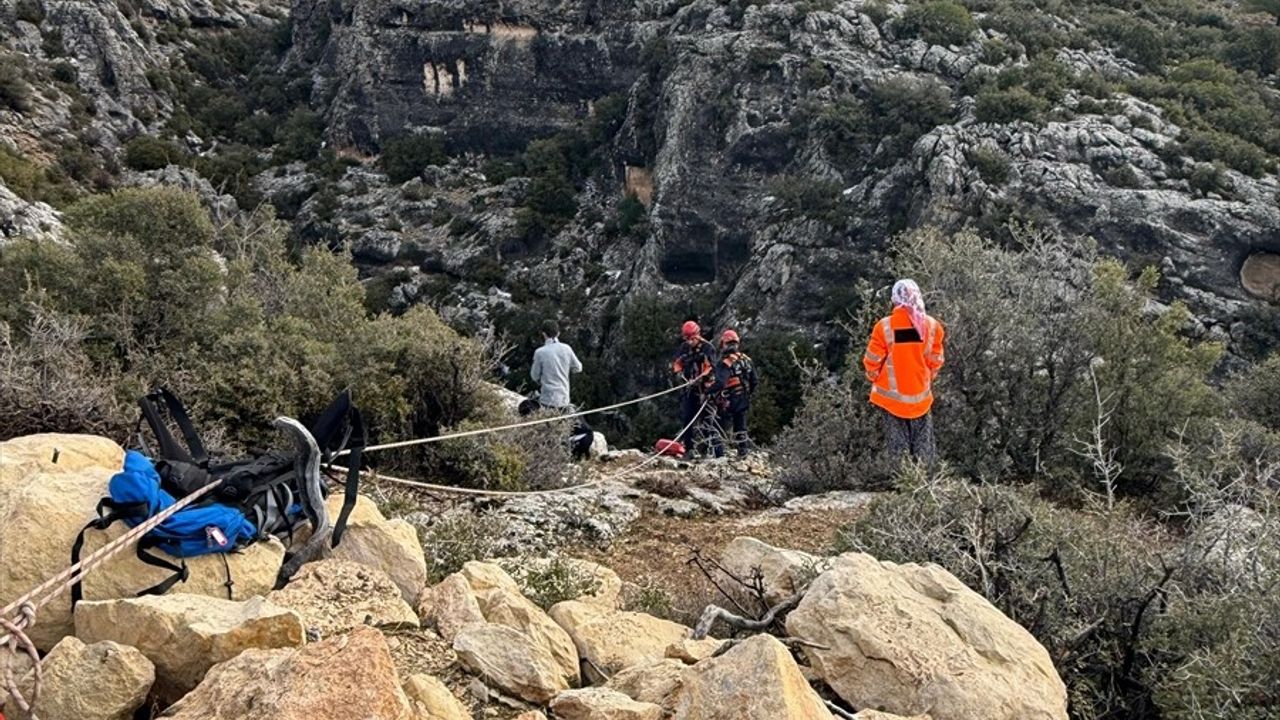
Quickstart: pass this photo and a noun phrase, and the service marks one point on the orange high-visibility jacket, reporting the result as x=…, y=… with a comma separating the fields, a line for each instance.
x=901, y=365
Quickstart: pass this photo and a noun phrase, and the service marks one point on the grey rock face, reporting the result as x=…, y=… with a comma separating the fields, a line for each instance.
x=21, y=218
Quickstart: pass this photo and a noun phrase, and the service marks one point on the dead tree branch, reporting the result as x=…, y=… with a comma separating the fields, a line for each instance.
x=739, y=623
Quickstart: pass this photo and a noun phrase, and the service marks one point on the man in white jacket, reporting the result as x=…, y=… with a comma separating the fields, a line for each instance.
x=552, y=364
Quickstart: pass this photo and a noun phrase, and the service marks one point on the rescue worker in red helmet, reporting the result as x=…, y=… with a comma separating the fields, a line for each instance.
x=902, y=359
x=694, y=363
x=736, y=382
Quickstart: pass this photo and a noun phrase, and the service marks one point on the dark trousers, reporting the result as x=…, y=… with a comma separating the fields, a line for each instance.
x=909, y=438
x=701, y=433
x=733, y=423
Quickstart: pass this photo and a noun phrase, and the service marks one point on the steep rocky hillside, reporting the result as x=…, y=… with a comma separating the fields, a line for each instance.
x=627, y=165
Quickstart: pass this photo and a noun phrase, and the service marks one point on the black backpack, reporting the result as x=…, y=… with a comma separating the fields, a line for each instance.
x=278, y=491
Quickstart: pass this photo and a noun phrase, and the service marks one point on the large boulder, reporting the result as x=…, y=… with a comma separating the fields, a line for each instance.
x=783, y=572
x=342, y=678
x=49, y=488
x=613, y=640
x=333, y=596
x=185, y=635
x=102, y=681
x=602, y=704
x=755, y=680
x=911, y=639
x=510, y=661
x=433, y=700
x=391, y=546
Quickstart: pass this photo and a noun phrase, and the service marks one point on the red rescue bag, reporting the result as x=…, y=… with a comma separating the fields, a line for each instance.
x=670, y=448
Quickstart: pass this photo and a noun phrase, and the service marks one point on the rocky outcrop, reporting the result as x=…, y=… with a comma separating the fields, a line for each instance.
x=185, y=635
x=19, y=218
x=49, y=487
x=602, y=704
x=912, y=639
x=611, y=641
x=755, y=680
x=334, y=596
x=102, y=681
x=490, y=79
x=349, y=676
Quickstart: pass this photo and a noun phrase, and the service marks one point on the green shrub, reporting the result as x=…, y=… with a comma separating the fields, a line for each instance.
x=65, y=72
x=231, y=170
x=632, y=217
x=1123, y=176
x=299, y=137
x=15, y=92
x=1255, y=393
x=992, y=165
x=458, y=538
x=226, y=319
x=1270, y=7
x=29, y=10
x=1256, y=49
x=151, y=153
x=938, y=22
x=896, y=113
x=996, y=105
x=404, y=157
x=1208, y=178
x=1210, y=146
x=32, y=182
x=547, y=581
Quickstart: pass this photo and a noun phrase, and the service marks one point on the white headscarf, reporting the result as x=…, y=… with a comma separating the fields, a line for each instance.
x=907, y=294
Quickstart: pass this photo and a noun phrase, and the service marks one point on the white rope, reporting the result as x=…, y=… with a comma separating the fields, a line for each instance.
x=521, y=493
x=515, y=426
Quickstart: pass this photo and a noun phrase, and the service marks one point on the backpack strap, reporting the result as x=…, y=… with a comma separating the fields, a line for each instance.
x=180, y=572
x=194, y=453
x=104, y=520
x=353, y=476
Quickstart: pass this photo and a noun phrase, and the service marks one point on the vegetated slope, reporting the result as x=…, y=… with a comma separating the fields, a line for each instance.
x=624, y=166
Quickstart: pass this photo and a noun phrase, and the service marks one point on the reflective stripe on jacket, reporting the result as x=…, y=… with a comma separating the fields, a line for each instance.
x=901, y=365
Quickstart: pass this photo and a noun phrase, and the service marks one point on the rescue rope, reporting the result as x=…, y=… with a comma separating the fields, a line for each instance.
x=15, y=636
x=527, y=423
x=524, y=493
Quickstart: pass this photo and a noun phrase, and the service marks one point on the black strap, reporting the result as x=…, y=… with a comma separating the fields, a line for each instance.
x=169, y=447
x=229, y=584
x=353, y=475
x=180, y=572
x=102, y=522
x=185, y=426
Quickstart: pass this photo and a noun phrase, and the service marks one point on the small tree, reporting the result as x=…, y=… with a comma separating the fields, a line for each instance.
x=404, y=157
x=939, y=22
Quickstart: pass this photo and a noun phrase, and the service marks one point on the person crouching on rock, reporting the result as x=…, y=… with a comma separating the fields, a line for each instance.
x=902, y=360
x=736, y=382
x=695, y=364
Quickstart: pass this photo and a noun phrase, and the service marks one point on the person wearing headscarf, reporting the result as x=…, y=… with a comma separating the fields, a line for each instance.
x=902, y=359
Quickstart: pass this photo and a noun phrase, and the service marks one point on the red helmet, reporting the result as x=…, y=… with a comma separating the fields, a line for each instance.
x=728, y=336
x=690, y=329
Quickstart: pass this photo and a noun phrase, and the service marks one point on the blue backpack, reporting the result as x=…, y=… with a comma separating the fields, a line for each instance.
x=268, y=494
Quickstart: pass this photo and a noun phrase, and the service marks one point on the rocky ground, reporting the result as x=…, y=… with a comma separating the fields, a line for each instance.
x=374, y=632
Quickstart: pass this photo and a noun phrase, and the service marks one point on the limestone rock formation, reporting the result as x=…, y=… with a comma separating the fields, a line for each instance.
x=912, y=639
x=334, y=596
x=102, y=681
x=49, y=488
x=602, y=704
x=185, y=635
x=345, y=677
x=616, y=640
x=755, y=680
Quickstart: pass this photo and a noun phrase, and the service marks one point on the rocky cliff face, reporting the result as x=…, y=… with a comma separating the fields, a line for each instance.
x=769, y=151
x=756, y=216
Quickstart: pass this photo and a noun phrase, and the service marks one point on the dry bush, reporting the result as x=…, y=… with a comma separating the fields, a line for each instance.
x=47, y=382
x=457, y=538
